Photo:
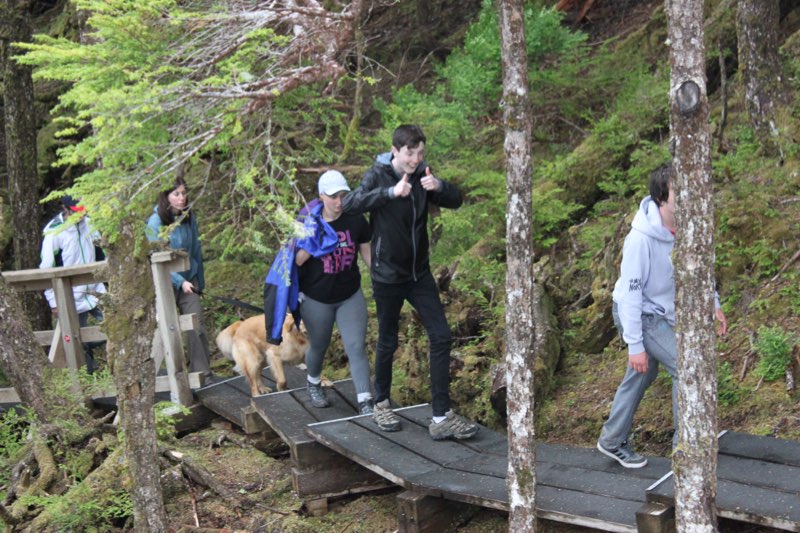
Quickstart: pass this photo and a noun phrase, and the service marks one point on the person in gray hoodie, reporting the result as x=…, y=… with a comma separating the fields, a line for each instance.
x=644, y=313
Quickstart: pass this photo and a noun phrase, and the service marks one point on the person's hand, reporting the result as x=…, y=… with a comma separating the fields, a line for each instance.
x=429, y=182
x=638, y=362
x=403, y=187
x=722, y=327
x=187, y=287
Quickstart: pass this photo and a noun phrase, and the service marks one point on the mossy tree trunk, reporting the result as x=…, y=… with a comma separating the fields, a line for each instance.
x=21, y=357
x=695, y=460
x=766, y=90
x=520, y=325
x=130, y=323
x=20, y=134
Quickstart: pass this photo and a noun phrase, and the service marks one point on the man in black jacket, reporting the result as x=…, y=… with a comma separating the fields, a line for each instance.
x=396, y=192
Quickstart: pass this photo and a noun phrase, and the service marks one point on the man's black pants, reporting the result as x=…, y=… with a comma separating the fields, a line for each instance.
x=423, y=295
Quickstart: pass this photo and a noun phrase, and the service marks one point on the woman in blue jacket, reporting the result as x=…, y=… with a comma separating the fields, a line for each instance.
x=172, y=212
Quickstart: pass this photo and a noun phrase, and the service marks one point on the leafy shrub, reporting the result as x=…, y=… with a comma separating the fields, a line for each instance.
x=774, y=349
x=13, y=433
x=728, y=390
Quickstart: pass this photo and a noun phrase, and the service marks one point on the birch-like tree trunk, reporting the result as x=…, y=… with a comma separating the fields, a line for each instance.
x=695, y=460
x=129, y=325
x=21, y=357
x=520, y=330
x=766, y=91
x=20, y=135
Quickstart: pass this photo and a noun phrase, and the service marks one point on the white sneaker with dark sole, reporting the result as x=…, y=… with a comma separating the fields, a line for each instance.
x=624, y=455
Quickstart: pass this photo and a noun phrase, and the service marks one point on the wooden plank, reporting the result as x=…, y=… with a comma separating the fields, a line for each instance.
x=419, y=513
x=761, y=448
x=759, y=473
x=590, y=458
x=591, y=481
x=88, y=334
x=460, y=486
x=485, y=441
x=227, y=399
x=168, y=323
x=744, y=502
x=39, y=279
x=586, y=510
x=68, y=320
x=339, y=479
x=375, y=450
x=655, y=518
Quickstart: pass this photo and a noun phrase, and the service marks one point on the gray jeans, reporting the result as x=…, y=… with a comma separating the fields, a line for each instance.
x=660, y=345
x=350, y=316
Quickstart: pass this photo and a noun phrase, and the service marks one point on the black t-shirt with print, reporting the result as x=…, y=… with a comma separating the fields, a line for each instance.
x=335, y=277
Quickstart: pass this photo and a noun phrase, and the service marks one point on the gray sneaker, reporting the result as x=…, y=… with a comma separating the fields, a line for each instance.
x=385, y=417
x=367, y=407
x=455, y=426
x=624, y=455
x=317, y=395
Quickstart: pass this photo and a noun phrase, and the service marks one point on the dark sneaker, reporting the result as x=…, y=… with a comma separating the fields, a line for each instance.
x=317, y=395
x=624, y=455
x=455, y=426
x=385, y=417
x=367, y=407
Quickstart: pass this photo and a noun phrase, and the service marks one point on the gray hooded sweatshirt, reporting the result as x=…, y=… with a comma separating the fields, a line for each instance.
x=646, y=283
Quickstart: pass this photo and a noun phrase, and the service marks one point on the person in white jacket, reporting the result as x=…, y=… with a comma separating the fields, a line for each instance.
x=68, y=244
x=644, y=313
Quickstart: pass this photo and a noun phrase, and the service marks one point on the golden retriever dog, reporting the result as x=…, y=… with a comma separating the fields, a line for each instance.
x=246, y=343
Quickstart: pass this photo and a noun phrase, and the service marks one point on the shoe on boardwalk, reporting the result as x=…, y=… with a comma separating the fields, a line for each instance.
x=317, y=395
x=385, y=417
x=455, y=426
x=367, y=407
x=624, y=455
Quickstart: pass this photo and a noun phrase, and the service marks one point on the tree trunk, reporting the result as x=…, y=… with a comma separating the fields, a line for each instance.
x=766, y=91
x=520, y=326
x=129, y=325
x=20, y=133
x=695, y=460
x=21, y=357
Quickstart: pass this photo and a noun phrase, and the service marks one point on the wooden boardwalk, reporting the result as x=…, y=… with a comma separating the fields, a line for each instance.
x=336, y=452
x=230, y=398
x=758, y=481
x=574, y=485
x=317, y=472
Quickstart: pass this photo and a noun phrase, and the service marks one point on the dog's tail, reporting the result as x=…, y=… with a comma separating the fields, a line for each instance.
x=225, y=339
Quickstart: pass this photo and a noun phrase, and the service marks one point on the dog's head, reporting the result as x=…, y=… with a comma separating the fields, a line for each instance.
x=290, y=330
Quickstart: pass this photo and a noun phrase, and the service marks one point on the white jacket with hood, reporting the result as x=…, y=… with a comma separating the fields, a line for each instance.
x=75, y=243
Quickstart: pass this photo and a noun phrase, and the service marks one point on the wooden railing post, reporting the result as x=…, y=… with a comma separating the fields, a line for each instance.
x=68, y=322
x=169, y=330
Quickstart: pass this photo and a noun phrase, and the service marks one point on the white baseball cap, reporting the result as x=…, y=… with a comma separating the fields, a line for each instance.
x=332, y=182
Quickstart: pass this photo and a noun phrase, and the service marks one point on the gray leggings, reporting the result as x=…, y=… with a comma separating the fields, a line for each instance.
x=350, y=316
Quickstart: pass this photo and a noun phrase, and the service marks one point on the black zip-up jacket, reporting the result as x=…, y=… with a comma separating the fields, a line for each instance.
x=399, y=225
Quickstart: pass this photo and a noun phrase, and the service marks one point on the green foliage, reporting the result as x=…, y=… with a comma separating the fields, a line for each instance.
x=774, y=348
x=95, y=512
x=14, y=430
x=153, y=95
x=728, y=390
x=165, y=419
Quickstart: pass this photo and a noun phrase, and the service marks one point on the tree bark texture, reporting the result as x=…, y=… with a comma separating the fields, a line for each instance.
x=129, y=325
x=520, y=326
x=21, y=357
x=695, y=460
x=765, y=86
x=20, y=134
